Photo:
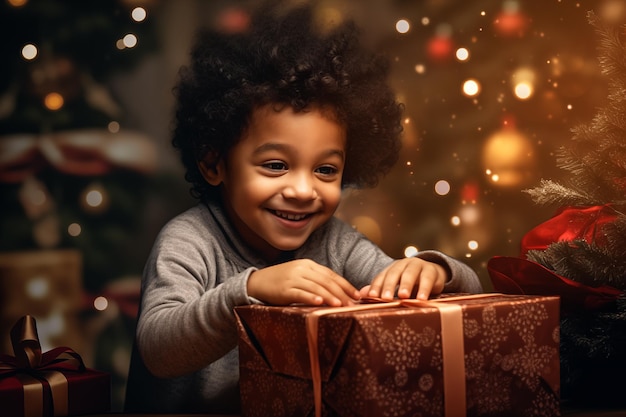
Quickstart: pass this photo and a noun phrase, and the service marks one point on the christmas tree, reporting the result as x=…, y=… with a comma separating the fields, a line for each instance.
x=596, y=161
x=75, y=175
x=589, y=236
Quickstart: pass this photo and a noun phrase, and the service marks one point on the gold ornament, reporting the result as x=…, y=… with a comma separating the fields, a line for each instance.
x=508, y=158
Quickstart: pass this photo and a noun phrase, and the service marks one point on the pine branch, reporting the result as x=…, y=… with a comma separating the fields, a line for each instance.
x=583, y=262
x=597, y=167
x=615, y=234
x=611, y=54
x=550, y=192
x=596, y=156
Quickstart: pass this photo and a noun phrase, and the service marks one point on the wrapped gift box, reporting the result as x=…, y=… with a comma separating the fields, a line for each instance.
x=492, y=355
x=54, y=383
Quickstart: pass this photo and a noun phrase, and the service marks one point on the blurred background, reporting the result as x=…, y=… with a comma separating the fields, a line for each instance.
x=88, y=176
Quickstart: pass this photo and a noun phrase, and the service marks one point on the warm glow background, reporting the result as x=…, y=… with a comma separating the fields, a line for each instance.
x=491, y=89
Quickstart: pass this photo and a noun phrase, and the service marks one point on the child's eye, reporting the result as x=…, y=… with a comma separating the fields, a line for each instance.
x=327, y=170
x=275, y=166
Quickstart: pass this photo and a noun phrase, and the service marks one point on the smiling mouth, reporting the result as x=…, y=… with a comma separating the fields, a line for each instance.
x=290, y=216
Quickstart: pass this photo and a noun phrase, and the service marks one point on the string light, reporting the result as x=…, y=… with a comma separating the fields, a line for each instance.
x=29, y=51
x=138, y=14
x=471, y=87
x=462, y=54
x=410, y=251
x=523, y=80
x=403, y=26
x=113, y=127
x=130, y=40
x=94, y=198
x=100, y=303
x=53, y=101
x=523, y=90
x=442, y=187
x=74, y=230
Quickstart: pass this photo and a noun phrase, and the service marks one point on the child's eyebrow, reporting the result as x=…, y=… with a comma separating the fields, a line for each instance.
x=272, y=146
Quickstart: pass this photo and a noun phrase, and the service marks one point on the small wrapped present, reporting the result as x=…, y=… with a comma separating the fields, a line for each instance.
x=469, y=355
x=54, y=383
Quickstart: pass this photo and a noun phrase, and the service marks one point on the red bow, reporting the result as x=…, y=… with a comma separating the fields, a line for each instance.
x=571, y=223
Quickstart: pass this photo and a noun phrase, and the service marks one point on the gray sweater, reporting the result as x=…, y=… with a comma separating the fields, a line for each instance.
x=185, y=357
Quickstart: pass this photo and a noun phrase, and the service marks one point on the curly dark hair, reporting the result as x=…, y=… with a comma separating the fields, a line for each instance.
x=286, y=59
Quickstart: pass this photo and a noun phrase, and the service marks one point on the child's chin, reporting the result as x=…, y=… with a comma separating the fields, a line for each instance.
x=288, y=246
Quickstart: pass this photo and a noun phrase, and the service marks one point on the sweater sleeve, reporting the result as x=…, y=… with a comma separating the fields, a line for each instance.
x=360, y=260
x=186, y=320
x=462, y=278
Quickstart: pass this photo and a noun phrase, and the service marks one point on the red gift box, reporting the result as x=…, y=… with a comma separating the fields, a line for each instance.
x=54, y=383
x=486, y=354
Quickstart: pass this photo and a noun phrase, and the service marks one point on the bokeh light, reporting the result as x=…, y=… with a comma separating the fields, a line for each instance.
x=442, y=187
x=130, y=40
x=508, y=157
x=138, y=14
x=100, y=303
x=471, y=87
x=113, y=127
x=523, y=81
x=94, y=198
x=29, y=51
x=74, y=229
x=462, y=54
x=53, y=101
x=38, y=287
x=403, y=26
x=410, y=251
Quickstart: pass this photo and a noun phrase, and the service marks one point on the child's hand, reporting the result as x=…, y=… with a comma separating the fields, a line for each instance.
x=301, y=281
x=412, y=277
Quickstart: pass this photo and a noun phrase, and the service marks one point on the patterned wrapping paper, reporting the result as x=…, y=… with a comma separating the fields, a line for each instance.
x=388, y=362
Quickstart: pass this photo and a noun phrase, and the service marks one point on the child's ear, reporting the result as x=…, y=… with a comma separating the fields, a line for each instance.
x=211, y=171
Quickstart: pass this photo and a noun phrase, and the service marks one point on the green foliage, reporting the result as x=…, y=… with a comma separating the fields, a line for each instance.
x=596, y=162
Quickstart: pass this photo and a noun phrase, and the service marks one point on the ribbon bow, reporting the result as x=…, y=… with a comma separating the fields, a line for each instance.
x=30, y=366
x=569, y=224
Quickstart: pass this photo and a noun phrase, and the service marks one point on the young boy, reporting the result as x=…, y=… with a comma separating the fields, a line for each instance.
x=272, y=124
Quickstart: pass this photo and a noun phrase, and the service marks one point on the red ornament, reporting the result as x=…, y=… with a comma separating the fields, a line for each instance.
x=469, y=192
x=511, y=23
x=234, y=20
x=440, y=48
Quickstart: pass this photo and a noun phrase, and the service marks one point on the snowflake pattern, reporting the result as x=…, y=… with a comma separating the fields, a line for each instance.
x=391, y=363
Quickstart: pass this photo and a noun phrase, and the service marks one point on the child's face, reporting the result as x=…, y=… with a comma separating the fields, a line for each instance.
x=283, y=179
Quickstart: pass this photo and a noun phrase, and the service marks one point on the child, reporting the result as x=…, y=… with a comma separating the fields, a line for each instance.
x=272, y=124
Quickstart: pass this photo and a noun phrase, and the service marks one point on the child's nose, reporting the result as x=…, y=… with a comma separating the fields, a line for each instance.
x=301, y=187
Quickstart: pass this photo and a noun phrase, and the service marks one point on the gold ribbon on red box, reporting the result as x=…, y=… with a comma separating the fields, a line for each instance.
x=451, y=336
x=36, y=370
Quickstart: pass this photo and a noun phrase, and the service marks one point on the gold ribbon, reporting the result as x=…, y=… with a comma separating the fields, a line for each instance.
x=451, y=316
x=30, y=367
